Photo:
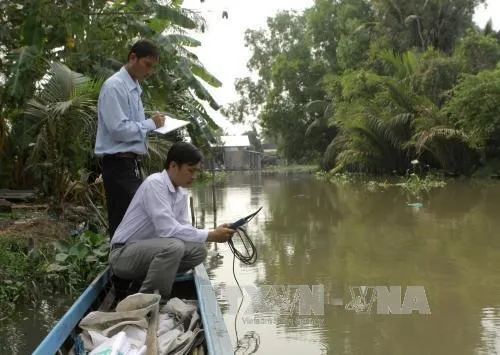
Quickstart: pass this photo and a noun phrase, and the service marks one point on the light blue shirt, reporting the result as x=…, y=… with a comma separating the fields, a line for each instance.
x=122, y=125
x=158, y=210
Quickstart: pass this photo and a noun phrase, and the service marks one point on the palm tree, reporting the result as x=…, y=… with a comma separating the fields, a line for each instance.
x=375, y=135
x=60, y=128
x=322, y=112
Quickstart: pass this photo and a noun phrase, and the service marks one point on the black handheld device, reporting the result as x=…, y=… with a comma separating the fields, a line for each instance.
x=242, y=221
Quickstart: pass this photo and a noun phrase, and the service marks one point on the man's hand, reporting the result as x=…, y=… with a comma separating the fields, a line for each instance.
x=158, y=119
x=221, y=234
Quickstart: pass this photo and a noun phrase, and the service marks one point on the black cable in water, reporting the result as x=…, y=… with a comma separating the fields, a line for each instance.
x=247, y=257
x=237, y=312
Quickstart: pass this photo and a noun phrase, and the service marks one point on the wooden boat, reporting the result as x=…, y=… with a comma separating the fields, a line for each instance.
x=100, y=294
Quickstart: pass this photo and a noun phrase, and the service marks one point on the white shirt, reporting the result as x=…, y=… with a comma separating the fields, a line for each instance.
x=158, y=210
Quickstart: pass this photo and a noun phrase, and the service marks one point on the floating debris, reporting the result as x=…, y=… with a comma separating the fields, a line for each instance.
x=415, y=204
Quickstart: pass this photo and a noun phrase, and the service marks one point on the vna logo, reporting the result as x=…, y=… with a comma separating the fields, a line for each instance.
x=387, y=300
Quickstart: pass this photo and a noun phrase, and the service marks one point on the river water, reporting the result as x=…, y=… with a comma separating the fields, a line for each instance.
x=444, y=254
x=326, y=251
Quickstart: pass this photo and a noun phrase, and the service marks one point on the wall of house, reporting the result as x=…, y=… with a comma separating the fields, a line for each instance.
x=236, y=158
x=255, y=160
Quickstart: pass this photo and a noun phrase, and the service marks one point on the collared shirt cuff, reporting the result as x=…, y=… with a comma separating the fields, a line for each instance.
x=149, y=124
x=202, y=235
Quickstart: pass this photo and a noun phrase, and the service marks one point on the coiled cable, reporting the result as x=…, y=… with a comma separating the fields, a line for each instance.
x=249, y=255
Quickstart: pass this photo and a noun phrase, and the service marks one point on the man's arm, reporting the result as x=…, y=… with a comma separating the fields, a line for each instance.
x=112, y=102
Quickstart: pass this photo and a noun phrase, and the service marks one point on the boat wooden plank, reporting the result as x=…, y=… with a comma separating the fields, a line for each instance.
x=55, y=339
x=216, y=334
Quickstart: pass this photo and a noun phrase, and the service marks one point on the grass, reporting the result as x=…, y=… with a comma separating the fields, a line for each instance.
x=4, y=215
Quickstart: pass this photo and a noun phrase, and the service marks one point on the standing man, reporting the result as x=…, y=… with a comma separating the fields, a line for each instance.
x=156, y=240
x=122, y=129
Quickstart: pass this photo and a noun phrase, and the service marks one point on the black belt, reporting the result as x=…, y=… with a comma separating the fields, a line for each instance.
x=116, y=245
x=127, y=155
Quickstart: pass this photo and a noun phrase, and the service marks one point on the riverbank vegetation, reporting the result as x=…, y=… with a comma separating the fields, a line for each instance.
x=31, y=267
x=412, y=183
x=370, y=86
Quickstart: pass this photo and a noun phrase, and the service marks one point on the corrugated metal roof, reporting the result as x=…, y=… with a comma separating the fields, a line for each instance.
x=235, y=141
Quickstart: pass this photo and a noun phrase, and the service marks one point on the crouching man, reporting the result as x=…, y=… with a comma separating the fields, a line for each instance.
x=155, y=240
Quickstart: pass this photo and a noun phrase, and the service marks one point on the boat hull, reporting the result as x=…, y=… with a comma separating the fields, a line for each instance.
x=193, y=286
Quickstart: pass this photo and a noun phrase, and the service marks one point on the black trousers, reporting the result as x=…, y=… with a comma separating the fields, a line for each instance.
x=122, y=177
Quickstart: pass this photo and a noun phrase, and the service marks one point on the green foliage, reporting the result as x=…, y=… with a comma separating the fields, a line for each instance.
x=415, y=183
x=18, y=273
x=207, y=177
x=78, y=260
x=334, y=28
x=289, y=78
x=336, y=178
x=63, y=126
x=291, y=169
x=474, y=107
x=67, y=265
x=371, y=85
x=439, y=74
x=55, y=55
x=423, y=23
x=478, y=51
x=360, y=84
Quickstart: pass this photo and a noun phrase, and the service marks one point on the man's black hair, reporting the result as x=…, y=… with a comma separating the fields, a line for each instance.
x=183, y=153
x=144, y=48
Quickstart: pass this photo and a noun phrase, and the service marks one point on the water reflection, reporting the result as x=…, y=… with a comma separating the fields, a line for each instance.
x=490, y=332
x=25, y=329
x=311, y=233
